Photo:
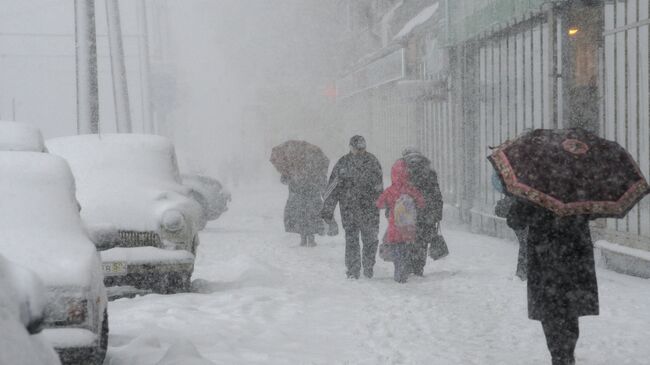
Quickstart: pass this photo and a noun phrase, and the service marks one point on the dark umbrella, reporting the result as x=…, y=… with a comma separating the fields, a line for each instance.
x=570, y=172
x=299, y=158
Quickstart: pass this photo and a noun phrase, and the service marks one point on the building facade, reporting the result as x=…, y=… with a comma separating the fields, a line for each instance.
x=478, y=72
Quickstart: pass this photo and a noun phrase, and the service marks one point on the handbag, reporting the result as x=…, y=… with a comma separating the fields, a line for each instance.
x=438, y=247
x=386, y=250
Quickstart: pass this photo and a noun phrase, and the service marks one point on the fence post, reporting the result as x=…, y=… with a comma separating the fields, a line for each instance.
x=551, y=59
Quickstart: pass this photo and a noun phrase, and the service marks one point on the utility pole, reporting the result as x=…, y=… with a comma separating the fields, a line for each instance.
x=145, y=69
x=118, y=68
x=86, y=59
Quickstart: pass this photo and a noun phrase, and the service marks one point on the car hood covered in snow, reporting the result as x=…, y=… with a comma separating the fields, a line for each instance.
x=126, y=180
x=40, y=227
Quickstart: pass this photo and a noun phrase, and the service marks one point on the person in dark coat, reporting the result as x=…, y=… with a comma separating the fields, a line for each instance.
x=355, y=184
x=302, y=211
x=424, y=178
x=562, y=282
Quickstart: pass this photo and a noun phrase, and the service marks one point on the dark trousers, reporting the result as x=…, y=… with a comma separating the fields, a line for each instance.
x=424, y=236
x=402, y=261
x=522, y=258
x=354, y=258
x=561, y=339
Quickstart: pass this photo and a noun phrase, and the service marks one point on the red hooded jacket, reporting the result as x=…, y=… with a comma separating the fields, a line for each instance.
x=400, y=185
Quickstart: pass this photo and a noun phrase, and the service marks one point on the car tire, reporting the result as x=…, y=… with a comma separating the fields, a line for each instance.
x=100, y=352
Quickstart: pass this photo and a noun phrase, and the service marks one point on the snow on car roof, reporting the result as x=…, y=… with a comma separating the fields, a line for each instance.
x=111, y=155
x=126, y=180
x=40, y=226
x=16, y=136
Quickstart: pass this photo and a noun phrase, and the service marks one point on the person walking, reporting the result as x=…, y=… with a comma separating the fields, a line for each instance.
x=355, y=184
x=562, y=283
x=303, y=167
x=301, y=213
x=402, y=201
x=424, y=178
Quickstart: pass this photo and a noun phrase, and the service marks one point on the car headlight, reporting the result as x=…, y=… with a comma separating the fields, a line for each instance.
x=173, y=221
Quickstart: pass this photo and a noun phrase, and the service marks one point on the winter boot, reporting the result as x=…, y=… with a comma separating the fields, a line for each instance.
x=352, y=275
x=564, y=361
x=418, y=271
x=368, y=272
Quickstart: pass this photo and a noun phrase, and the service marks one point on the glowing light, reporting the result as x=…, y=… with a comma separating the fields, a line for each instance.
x=573, y=31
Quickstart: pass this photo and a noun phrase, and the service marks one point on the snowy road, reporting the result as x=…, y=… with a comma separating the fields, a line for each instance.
x=262, y=299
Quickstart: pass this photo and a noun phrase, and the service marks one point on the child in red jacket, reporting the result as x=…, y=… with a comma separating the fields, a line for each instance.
x=402, y=201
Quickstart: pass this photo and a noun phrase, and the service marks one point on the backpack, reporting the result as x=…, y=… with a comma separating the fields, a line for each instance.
x=405, y=216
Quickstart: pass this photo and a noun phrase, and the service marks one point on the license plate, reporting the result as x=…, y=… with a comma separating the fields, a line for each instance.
x=114, y=268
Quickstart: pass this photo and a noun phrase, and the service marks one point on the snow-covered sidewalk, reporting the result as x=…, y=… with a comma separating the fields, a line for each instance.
x=262, y=299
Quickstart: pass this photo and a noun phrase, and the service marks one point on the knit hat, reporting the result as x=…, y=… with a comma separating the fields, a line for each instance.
x=410, y=150
x=358, y=142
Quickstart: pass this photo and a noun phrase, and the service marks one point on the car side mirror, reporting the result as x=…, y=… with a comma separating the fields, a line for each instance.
x=104, y=236
x=35, y=326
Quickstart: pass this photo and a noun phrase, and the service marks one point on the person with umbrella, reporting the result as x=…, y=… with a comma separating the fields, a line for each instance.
x=355, y=183
x=561, y=179
x=424, y=178
x=303, y=168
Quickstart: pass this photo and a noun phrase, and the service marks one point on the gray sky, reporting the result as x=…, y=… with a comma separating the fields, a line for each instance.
x=249, y=72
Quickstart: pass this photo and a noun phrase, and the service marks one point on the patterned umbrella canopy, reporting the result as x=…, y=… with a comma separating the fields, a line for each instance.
x=570, y=172
x=299, y=158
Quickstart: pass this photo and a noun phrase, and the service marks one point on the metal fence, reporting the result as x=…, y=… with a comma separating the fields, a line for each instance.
x=512, y=89
x=627, y=94
x=437, y=140
x=394, y=126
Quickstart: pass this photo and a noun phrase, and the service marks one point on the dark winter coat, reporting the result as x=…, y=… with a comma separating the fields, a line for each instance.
x=425, y=179
x=359, y=182
x=561, y=270
x=302, y=211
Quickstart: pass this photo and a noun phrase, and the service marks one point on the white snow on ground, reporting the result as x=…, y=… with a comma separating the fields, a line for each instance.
x=262, y=299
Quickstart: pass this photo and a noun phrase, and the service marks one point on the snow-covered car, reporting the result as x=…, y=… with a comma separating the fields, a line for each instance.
x=209, y=193
x=131, y=182
x=22, y=306
x=41, y=230
x=17, y=136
